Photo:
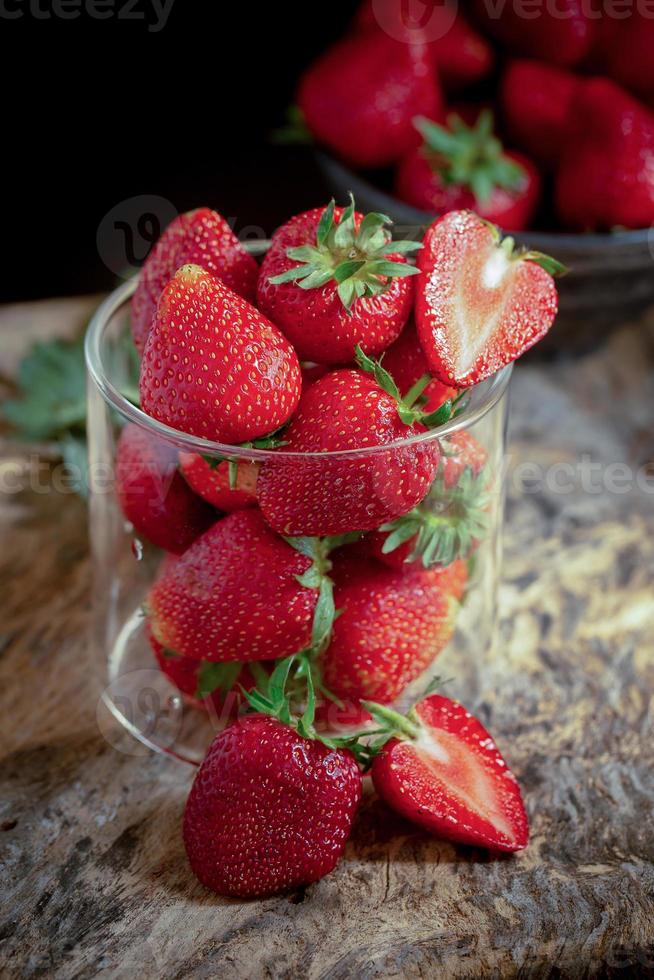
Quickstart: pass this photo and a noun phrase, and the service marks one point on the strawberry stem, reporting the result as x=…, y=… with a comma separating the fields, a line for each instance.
x=408, y=408
x=391, y=721
x=414, y=393
x=317, y=577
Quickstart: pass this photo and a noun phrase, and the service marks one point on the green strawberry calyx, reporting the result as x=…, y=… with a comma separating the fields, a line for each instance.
x=512, y=253
x=217, y=677
x=317, y=577
x=289, y=694
x=469, y=156
x=351, y=254
x=409, y=406
x=456, y=520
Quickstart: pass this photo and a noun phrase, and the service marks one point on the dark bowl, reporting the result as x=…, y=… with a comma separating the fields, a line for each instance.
x=611, y=277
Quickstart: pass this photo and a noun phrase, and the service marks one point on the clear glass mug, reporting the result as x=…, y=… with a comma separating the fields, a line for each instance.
x=131, y=683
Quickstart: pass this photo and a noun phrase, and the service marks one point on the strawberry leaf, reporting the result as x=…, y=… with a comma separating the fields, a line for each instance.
x=306, y=546
x=552, y=266
x=380, y=374
x=383, y=267
x=291, y=275
x=442, y=415
x=295, y=131
x=213, y=462
x=216, y=676
x=400, y=248
x=323, y=617
x=347, y=269
x=414, y=393
x=469, y=156
x=325, y=224
x=52, y=392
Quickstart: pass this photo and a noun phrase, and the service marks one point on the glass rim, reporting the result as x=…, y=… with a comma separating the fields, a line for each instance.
x=495, y=389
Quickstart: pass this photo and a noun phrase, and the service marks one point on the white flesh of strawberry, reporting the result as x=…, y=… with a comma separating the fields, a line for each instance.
x=474, y=332
x=455, y=765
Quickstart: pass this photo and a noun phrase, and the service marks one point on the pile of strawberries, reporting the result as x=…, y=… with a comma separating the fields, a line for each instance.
x=572, y=93
x=311, y=584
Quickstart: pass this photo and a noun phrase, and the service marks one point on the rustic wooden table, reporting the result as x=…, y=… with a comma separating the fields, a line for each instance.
x=94, y=878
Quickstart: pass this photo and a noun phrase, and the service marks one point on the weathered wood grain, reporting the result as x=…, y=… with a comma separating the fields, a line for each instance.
x=94, y=879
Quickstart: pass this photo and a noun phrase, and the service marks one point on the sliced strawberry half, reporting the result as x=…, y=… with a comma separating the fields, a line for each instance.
x=480, y=303
x=445, y=773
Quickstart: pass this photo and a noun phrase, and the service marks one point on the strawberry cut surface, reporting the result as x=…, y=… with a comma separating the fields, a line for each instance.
x=451, y=779
x=479, y=305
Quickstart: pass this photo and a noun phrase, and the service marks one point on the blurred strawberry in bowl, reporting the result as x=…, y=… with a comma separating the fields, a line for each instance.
x=605, y=177
x=536, y=101
x=462, y=166
x=360, y=96
x=563, y=35
x=460, y=54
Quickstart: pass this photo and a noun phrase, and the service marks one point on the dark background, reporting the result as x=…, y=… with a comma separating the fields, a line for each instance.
x=97, y=111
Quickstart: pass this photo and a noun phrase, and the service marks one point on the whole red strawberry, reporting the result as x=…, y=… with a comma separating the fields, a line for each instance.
x=227, y=486
x=563, y=34
x=460, y=54
x=444, y=772
x=606, y=176
x=234, y=595
x=269, y=810
x=360, y=96
x=317, y=493
x=210, y=687
x=391, y=626
x=536, y=101
x=405, y=361
x=203, y=238
x=332, y=279
x=213, y=366
x=152, y=494
x=479, y=303
x=453, y=520
x=465, y=166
